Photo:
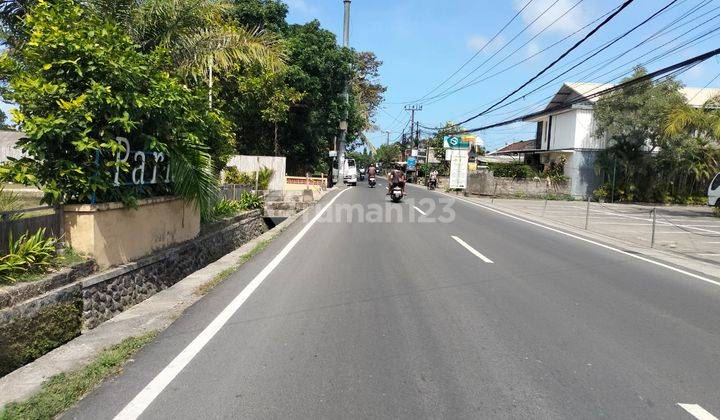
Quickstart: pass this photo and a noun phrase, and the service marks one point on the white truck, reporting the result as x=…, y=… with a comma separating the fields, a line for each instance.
x=351, y=174
x=714, y=192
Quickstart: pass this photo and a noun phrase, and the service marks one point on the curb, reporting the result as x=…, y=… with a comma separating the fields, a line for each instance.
x=151, y=315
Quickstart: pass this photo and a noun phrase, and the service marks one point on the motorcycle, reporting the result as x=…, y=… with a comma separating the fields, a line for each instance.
x=371, y=182
x=396, y=194
x=432, y=183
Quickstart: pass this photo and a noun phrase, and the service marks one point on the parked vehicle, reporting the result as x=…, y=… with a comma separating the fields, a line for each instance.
x=350, y=172
x=371, y=182
x=396, y=195
x=714, y=192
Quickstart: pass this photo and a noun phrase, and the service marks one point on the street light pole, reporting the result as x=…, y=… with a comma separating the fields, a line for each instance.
x=346, y=98
x=388, y=136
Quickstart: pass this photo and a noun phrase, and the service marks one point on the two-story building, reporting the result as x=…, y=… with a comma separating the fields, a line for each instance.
x=567, y=131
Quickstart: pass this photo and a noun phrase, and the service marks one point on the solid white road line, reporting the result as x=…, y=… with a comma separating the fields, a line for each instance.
x=420, y=211
x=472, y=250
x=590, y=241
x=148, y=394
x=697, y=412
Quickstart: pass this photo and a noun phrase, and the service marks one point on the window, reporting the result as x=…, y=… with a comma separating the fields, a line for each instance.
x=716, y=183
x=351, y=163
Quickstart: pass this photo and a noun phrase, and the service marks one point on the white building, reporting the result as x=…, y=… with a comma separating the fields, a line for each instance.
x=568, y=132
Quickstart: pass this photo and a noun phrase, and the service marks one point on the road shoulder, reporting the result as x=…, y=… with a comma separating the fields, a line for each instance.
x=150, y=316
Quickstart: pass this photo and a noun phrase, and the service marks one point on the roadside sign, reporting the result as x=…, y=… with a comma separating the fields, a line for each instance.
x=414, y=152
x=463, y=142
x=458, y=169
x=332, y=153
x=411, y=163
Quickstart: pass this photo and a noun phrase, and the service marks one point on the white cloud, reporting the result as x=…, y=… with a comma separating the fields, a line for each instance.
x=477, y=42
x=569, y=23
x=532, y=49
x=300, y=6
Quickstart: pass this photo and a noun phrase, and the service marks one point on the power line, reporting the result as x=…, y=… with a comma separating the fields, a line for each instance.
x=677, y=68
x=563, y=55
x=574, y=63
x=501, y=48
x=447, y=92
x=603, y=65
x=476, y=53
x=480, y=78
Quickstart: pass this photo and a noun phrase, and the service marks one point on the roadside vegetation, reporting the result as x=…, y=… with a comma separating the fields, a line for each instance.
x=519, y=170
x=198, y=80
x=62, y=391
x=247, y=179
x=228, y=208
x=660, y=149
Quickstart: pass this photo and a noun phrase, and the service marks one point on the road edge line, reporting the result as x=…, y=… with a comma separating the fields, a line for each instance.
x=153, y=389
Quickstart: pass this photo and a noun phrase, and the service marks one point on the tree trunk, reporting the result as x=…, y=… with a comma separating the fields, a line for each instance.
x=277, y=145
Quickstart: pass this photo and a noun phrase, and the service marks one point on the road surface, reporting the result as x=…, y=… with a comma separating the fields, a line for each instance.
x=475, y=315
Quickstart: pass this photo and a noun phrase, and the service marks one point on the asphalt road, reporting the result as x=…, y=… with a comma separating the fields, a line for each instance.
x=409, y=319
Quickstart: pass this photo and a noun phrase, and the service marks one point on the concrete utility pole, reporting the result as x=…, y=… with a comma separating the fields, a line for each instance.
x=346, y=98
x=412, y=110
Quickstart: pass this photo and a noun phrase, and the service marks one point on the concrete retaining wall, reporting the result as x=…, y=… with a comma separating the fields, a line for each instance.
x=485, y=183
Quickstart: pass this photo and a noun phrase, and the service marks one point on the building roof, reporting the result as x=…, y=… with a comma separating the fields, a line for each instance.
x=572, y=91
x=516, y=147
x=698, y=96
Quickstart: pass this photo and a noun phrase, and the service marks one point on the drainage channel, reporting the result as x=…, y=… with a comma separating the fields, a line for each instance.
x=271, y=222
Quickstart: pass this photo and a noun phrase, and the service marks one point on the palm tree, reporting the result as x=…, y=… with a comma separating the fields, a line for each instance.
x=197, y=37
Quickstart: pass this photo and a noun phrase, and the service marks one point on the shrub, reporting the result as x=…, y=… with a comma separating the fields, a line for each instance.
x=515, y=170
x=27, y=254
x=247, y=179
x=250, y=201
x=227, y=208
x=80, y=82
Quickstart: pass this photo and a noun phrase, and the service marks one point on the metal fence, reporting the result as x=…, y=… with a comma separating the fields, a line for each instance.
x=14, y=224
x=233, y=191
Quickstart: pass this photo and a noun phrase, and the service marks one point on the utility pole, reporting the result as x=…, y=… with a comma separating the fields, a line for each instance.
x=346, y=98
x=417, y=134
x=387, y=132
x=412, y=110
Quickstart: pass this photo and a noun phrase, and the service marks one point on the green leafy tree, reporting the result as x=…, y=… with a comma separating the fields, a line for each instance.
x=632, y=121
x=79, y=81
x=388, y=153
x=264, y=14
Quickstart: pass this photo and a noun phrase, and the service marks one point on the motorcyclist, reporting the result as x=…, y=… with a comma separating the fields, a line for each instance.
x=433, y=177
x=371, y=172
x=396, y=177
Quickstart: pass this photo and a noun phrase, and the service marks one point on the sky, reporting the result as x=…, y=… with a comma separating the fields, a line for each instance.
x=423, y=42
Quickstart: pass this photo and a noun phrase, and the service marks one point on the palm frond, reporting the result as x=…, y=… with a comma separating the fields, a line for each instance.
x=193, y=177
x=227, y=46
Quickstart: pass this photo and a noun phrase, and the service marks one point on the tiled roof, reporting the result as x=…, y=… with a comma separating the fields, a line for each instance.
x=518, y=146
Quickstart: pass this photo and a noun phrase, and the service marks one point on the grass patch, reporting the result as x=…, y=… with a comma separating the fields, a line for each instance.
x=221, y=276
x=62, y=391
x=716, y=211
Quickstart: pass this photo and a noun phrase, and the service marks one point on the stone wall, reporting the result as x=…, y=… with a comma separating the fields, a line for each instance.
x=485, y=183
x=108, y=293
x=40, y=316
